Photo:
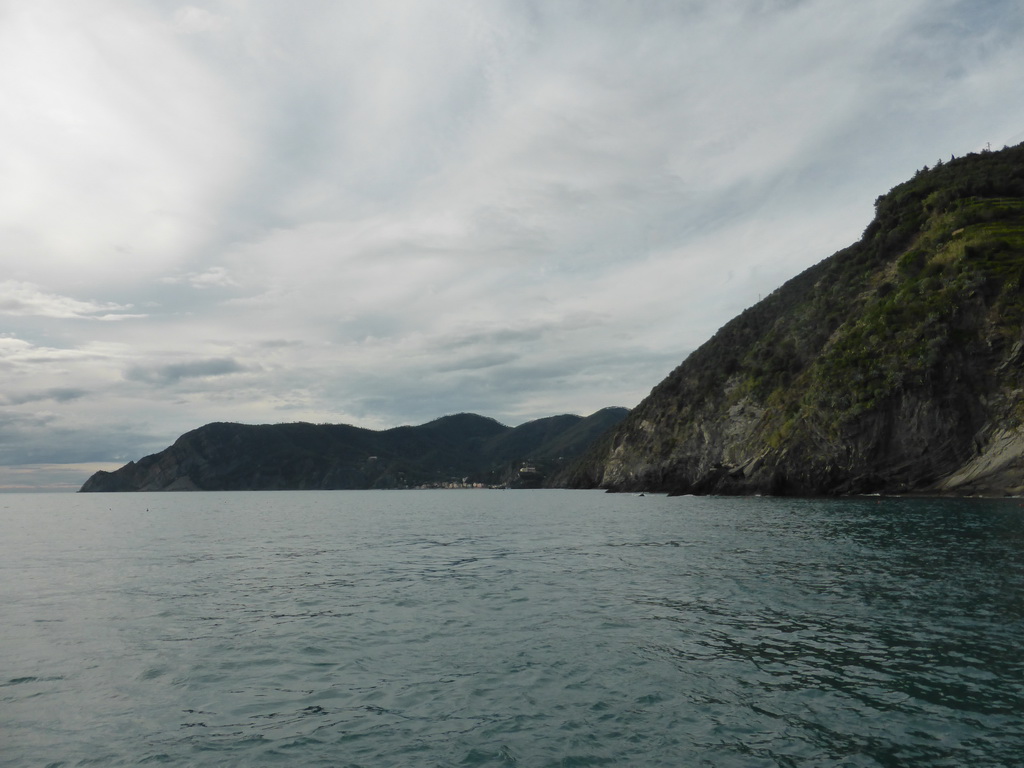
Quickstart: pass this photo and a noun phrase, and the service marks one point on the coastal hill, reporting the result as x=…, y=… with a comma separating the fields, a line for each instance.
x=452, y=450
x=894, y=366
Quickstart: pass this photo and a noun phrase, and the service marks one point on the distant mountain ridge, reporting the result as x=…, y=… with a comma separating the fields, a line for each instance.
x=894, y=366
x=453, y=450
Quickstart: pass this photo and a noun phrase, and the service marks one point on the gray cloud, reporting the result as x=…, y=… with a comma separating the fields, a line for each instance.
x=25, y=442
x=58, y=394
x=172, y=373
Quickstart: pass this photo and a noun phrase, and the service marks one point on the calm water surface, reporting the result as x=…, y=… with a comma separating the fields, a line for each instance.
x=488, y=628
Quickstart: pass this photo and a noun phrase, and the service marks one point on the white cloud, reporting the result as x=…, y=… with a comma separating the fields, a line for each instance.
x=214, y=277
x=27, y=300
x=191, y=20
x=118, y=147
x=17, y=353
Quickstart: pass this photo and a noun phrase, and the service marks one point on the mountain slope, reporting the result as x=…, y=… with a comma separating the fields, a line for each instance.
x=895, y=365
x=222, y=456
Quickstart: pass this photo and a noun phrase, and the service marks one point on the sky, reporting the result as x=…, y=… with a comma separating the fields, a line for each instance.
x=378, y=213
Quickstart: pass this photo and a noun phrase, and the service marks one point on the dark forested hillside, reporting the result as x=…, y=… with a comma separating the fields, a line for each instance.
x=459, y=449
x=895, y=365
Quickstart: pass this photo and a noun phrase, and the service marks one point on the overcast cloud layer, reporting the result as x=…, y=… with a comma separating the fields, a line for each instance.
x=382, y=212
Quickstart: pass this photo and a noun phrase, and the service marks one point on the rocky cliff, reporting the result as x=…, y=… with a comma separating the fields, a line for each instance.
x=464, y=448
x=896, y=365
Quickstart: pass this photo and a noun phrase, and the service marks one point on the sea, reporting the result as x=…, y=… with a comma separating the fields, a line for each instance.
x=517, y=627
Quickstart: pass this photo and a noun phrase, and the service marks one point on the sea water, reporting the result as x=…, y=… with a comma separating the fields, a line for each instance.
x=490, y=628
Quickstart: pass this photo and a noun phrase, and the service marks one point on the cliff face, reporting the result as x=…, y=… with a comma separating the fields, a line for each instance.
x=896, y=365
x=224, y=456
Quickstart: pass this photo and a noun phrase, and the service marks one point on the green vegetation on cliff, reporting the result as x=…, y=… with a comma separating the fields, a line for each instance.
x=894, y=365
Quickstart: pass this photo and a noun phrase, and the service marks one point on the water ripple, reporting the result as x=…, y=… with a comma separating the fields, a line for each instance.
x=495, y=629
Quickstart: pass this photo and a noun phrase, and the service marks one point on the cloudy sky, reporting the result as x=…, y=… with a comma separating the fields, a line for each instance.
x=381, y=212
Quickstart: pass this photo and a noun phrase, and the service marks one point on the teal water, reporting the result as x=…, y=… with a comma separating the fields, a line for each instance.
x=489, y=628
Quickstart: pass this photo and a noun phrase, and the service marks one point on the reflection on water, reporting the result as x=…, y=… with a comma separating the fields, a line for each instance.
x=496, y=628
